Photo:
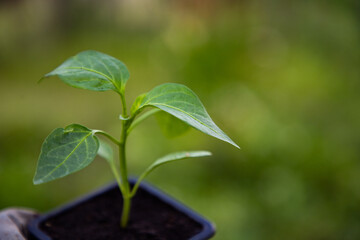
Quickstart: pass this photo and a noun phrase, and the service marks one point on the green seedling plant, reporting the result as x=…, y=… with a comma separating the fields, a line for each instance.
x=70, y=149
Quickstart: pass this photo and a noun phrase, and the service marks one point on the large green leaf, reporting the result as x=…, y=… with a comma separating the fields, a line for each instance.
x=167, y=159
x=181, y=102
x=66, y=151
x=94, y=71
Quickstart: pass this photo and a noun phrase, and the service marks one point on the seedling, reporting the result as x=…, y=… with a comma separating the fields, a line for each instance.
x=70, y=149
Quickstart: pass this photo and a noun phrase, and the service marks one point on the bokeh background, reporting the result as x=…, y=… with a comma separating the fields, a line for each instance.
x=282, y=78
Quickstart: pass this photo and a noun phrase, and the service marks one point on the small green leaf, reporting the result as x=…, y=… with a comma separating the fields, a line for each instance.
x=137, y=103
x=179, y=101
x=93, y=70
x=177, y=156
x=66, y=151
x=167, y=159
x=171, y=126
x=106, y=151
x=142, y=118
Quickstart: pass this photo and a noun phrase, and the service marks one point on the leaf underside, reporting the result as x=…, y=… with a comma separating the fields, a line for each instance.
x=171, y=126
x=181, y=102
x=65, y=151
x=179, y=156
x=93, y=70
x=167, y=159
x=171, y=158
x=105, y=151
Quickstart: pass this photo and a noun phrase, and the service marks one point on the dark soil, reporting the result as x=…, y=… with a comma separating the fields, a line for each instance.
x=99, y=219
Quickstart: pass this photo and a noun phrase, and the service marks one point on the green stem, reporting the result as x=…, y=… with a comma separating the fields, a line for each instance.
x=136, y=186
x=117, y=176
x=126, y=211
x=123, y=101
x=124, y=177
x=123, y=168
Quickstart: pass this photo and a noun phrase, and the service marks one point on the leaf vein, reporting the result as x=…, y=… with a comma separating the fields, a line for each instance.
x=180, y=110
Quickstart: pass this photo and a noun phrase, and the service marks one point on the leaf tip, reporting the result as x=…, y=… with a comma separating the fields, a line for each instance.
x=237, y=146
x=232, y=143
x=206, y=153
x=37, y=181
x=41, y=79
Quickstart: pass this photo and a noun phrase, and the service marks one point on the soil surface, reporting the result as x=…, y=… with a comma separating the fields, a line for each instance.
x=99, y=219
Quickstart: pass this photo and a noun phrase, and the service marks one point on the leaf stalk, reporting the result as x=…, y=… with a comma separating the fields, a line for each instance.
x=111, y=138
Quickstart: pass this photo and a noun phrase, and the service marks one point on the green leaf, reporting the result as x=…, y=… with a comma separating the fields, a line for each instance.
x=93, y=70
x=171, y=126
x=167, y=159
x=137, y=103
x=65, y=151
x=142, y=118
x=179, y=101
x=177, y=156
x=106, y=151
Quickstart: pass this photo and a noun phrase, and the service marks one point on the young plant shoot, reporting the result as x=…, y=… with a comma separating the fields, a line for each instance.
x=70, y=149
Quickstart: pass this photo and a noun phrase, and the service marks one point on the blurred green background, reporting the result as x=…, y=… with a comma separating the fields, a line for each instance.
x=282, y=78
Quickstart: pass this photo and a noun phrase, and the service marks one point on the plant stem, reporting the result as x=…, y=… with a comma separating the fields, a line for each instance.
x=124, y=177
x=123, y=101
x=123, y=168
x=126, y=211
x=137, y=184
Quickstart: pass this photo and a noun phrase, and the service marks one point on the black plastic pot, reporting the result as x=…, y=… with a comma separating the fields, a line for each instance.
x=154, y=215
